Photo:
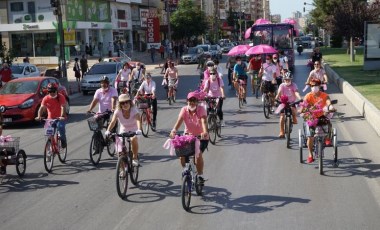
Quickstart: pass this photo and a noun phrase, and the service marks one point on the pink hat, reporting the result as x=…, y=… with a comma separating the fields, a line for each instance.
x=192, y=95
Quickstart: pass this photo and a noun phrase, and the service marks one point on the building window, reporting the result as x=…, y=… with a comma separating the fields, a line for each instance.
x=121, y=14
x=17, y=6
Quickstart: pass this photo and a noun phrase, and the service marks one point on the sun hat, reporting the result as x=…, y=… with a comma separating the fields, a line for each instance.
x=124, y=97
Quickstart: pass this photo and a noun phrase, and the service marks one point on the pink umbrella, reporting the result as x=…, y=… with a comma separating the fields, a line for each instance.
x=262, y=21
x=261, y=49
x=290, y=21
x=238, y=50
x=247, y=33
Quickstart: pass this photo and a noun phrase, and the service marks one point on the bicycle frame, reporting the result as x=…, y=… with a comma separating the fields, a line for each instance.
x=53, y=136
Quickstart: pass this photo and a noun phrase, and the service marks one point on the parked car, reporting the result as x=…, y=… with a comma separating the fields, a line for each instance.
x=90, y=81
x=206, y=49
x=52, y=73
x=227, y=47
x=21, y=98
x=192, y=55
x=20, y=70
x=216, y=51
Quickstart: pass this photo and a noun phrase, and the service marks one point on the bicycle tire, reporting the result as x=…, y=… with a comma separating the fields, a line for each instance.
x=198, y=187
x=121, y=177
x=287, y=131
x=266, y=106
x=48, y=156
x=21, y=163
x=134, y=172
x=95, y=153
x=257, y=91
x=62, y=152
x=144, y=124
x=335, y=145
x=212, y=128
x=219, y=128
x=111, y=146
x=300, y=145
x=186, y=192
x=320, y=157
x=240, y=103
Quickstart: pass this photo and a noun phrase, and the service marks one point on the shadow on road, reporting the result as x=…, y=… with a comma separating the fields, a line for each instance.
x=353, y=167
x=237, y=139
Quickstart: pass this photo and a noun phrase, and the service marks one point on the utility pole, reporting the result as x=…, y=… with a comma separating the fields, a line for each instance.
x=57, y=10
x=169, y=27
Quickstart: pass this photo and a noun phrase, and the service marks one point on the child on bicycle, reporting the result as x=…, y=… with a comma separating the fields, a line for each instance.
x=195, y=118
x=289, y=89
x=128, y=117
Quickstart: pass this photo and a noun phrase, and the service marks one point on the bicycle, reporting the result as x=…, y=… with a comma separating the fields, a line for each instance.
x=265, y=98
x=10, y=154
x=288, y=119
x=171, y=93
x=124, y=165
x=146, y=118
x=123, y=87
x=256, y=87
x=189, y=174
x=214, y=124
x=241, y=93
x=96, y=123
x=53, y=145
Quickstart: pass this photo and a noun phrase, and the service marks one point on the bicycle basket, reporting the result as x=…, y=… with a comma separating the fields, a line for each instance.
x=142, y=103
x=187, y=150
x=95, y=123
x=11, y=145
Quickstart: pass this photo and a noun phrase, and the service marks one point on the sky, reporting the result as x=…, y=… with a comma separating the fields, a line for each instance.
x=286, y=7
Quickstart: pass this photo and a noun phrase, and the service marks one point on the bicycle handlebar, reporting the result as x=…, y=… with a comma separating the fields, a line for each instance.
x=126, y=134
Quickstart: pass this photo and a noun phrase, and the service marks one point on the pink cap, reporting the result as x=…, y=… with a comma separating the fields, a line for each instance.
x=192, y=94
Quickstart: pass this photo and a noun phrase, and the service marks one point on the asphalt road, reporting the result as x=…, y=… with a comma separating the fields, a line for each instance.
x=254, y=181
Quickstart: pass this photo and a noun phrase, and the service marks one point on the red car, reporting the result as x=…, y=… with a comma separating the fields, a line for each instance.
x=21, y=98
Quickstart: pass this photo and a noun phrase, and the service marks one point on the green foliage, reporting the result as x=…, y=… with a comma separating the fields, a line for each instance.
x=6, y=55
x=188, y=21
x=336, y=41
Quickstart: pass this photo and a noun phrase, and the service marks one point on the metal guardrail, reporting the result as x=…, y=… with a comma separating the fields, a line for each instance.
x=124, y=55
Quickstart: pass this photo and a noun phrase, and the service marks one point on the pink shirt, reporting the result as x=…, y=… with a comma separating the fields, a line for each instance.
x=193, y=123
x=318, y=74
x=129, y=124
x=289, y=91
x=214, y=87
x=105, y=98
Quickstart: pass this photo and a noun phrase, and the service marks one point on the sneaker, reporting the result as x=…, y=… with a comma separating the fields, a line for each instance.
x=245, y=101
x=310, y=160
x=135, y=163
x=3, y=170
x=222, y=123
x=201, y=180
x=272, y=109
x=63, y=144
x=154, y=126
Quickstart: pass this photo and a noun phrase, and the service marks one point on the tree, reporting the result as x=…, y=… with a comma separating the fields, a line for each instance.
x=188, y=21
x=6, y=55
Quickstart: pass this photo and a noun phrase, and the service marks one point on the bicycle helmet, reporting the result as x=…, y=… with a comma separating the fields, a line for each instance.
x=288, y=76
x=210, y=63
x=52, y=87
x=105, y=79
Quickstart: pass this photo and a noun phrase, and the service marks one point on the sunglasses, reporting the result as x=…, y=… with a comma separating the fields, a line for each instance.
x=212, y=73
x=124, y=102
x=192, y=100
x=316, y=64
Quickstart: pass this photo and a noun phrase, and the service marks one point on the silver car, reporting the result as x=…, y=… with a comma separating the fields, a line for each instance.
x=192, y=55
x=20, y=70
x=91, y=82
x=216, y=51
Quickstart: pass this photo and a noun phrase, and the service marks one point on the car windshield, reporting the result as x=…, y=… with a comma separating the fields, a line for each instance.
x=19, y=87
x=102, y=69
x=214, y=47
x=192, y=50
x=205, y=48
x=17, y=69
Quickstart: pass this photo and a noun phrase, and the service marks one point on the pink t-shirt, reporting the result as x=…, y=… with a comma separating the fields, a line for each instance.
x=105, y=98
x=129, y=124
x=289, y=91
x=193, y=123
x=214, y=87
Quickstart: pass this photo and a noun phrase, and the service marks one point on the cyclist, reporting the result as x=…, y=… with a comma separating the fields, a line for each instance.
x=278, y=70
x=214, y=87
x=54, y=103
x=123, y=75
x=106, y=96
x=138, y=74
x=148, y=87
x=317, y=73
x=128, y=117
x=283, y=60
x=268, y=73
x=239, y=73
x=289, y=89
x=171, y=76
x=315, y=97
x=254, y=66
x=206, y=74
x=195, y=118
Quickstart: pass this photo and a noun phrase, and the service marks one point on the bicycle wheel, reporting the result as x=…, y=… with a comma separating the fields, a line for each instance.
x=257, y=90
x=62, y=152
x=198, y=187
x=320, y=156
x=266, y=106
x=48, y=156
x=287, y=131
x=144, y=124
x=212, y=128
x=186, y=192
x=134, y=172
x=121, y=177
x=95, y=153
x=219, y=128
x=111, y=147
x=335, y=145
x=21, y=163
x=300, y=144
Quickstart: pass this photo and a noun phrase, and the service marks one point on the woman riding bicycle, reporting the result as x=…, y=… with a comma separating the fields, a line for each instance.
x=148, y=88
x=268, y=72
x=240, y=74
x=289, y=89
x=129, y=119
x=317, y=73
x=171, y=76
x=123, y=76
x=214, y=88
x=195, y=118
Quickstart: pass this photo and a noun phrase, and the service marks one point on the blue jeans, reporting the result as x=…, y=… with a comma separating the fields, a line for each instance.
x=62, y=130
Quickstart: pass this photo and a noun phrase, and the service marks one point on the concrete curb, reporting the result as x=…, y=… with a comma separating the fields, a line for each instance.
x=365, y=108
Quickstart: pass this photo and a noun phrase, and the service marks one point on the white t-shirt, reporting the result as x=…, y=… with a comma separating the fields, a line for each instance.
x=148, y=89
x=269, y=70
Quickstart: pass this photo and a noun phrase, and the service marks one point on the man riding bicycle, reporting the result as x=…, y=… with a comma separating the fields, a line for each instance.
x=195, y=118
x=148, y=88
x=268, y=73
x=54, y=103
x=254, y=66
x=289, y=89
x=240, y=74
x=315, y=97
x=106, y=96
